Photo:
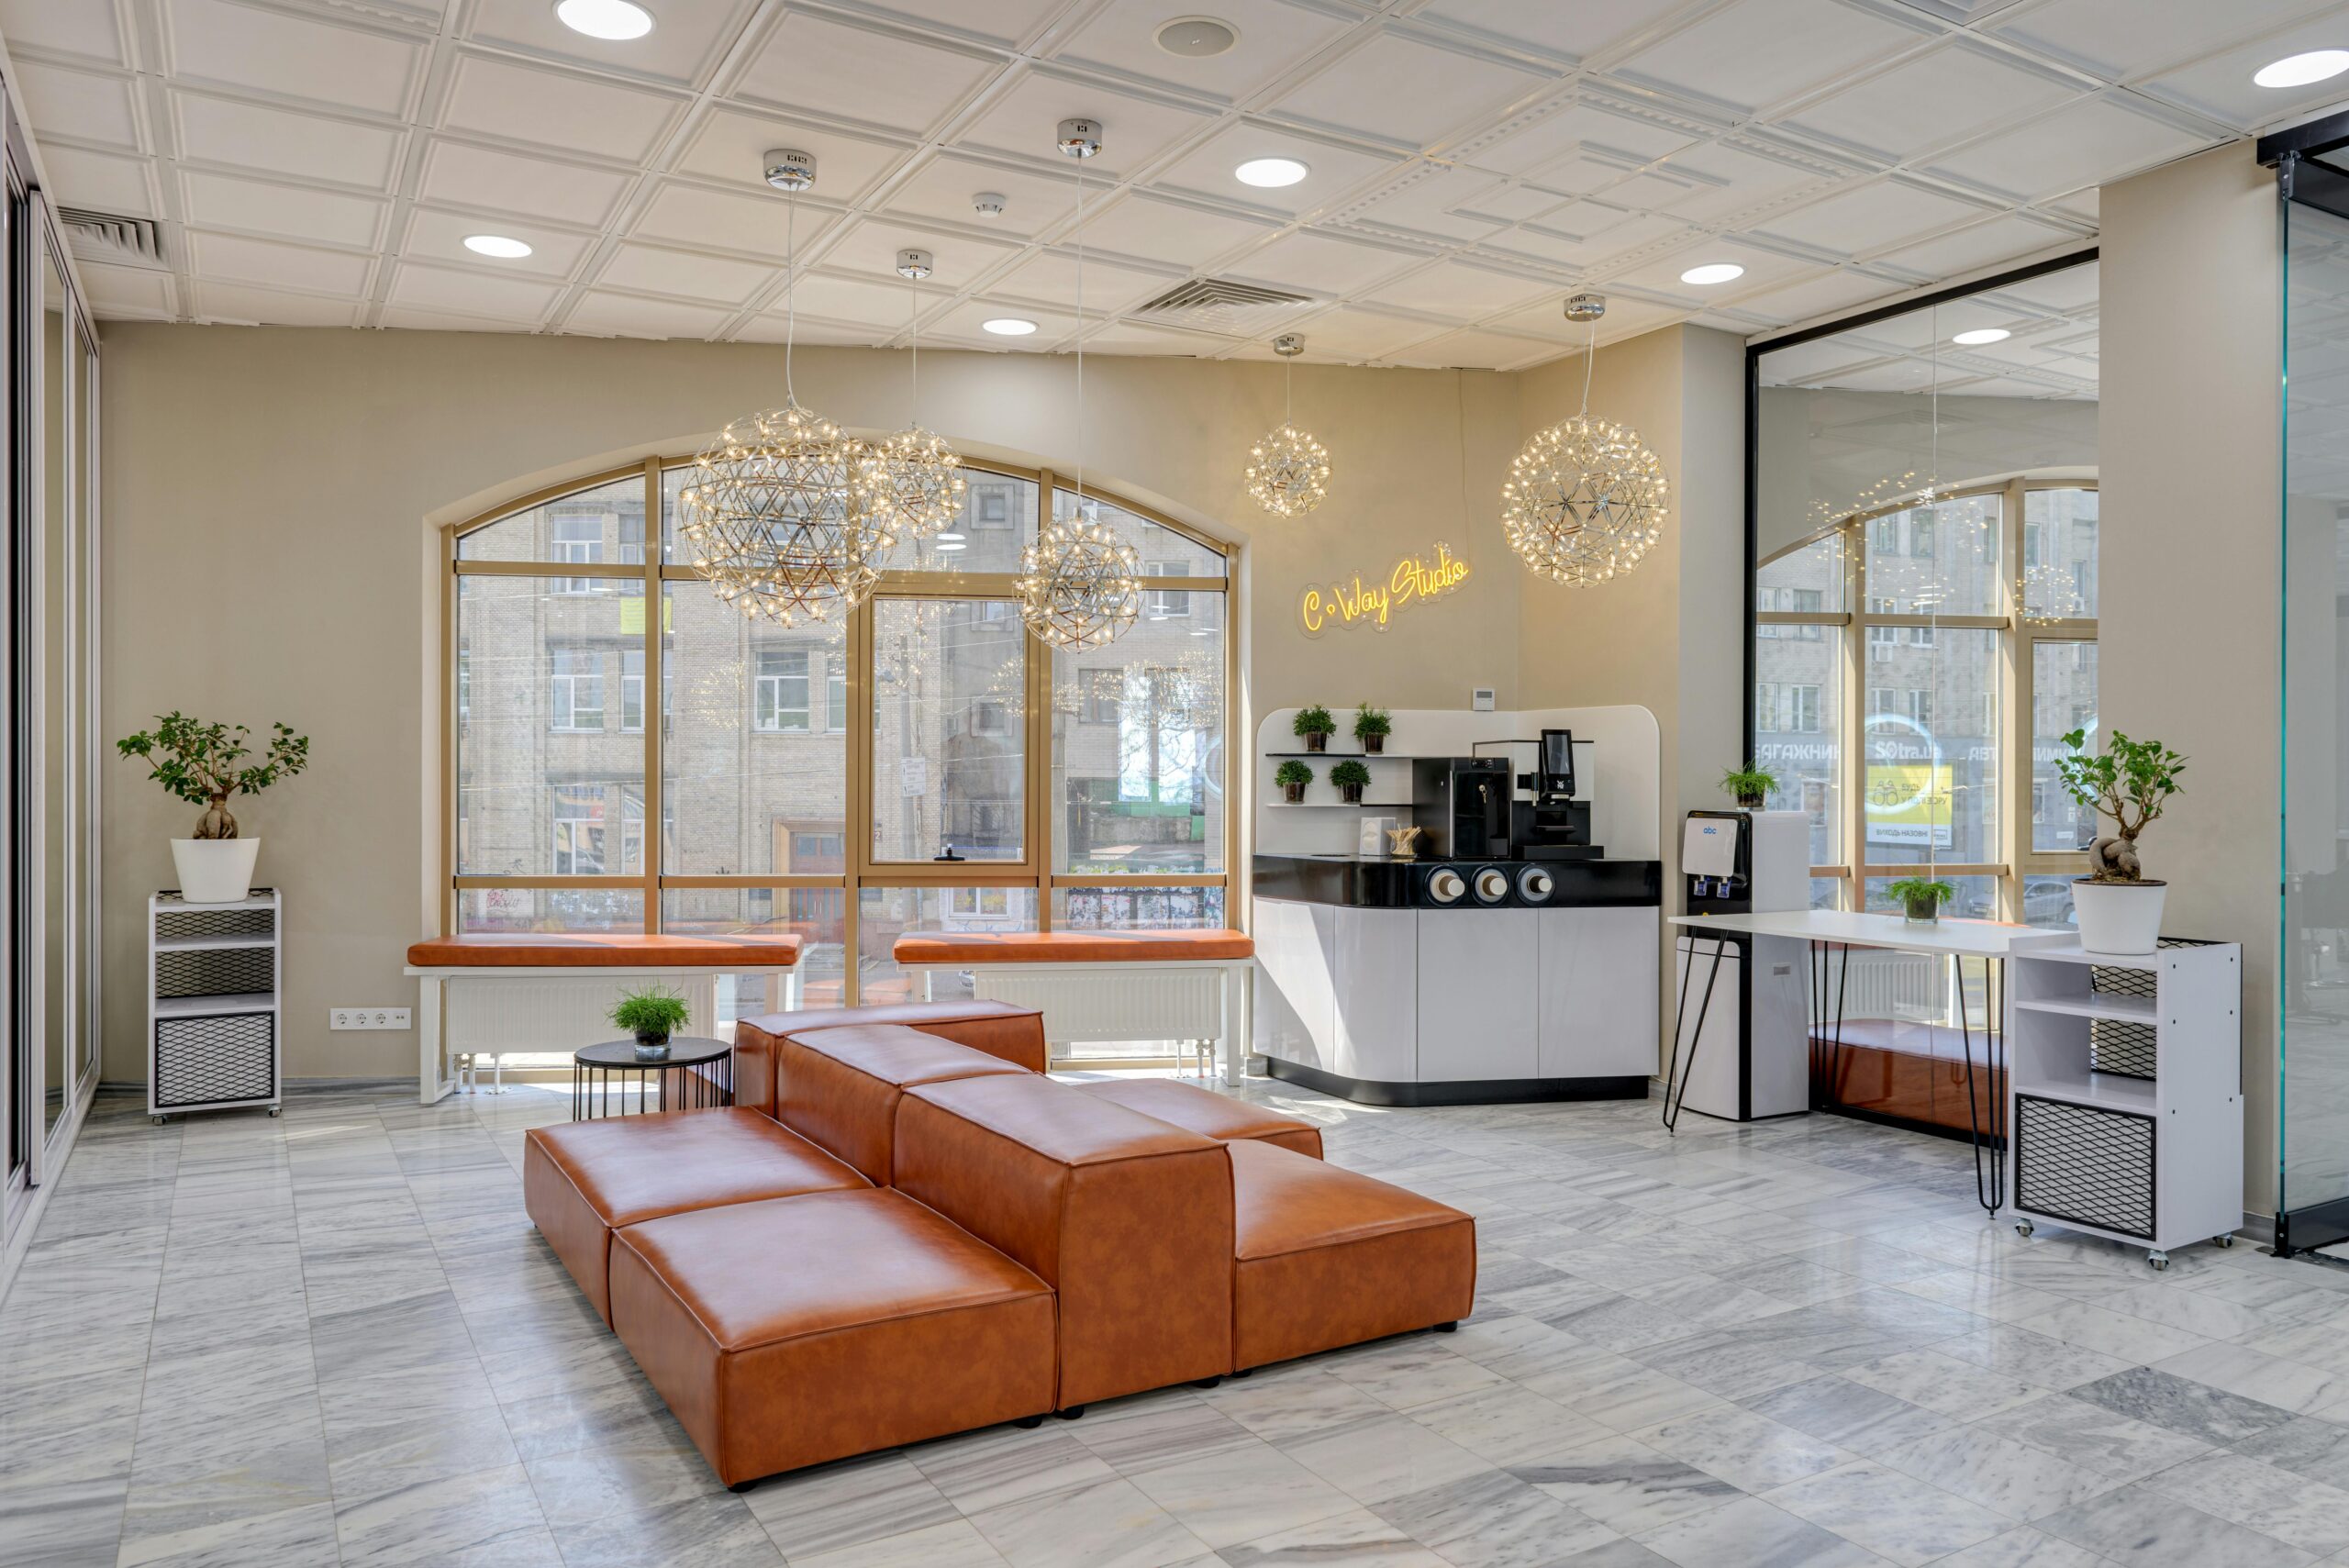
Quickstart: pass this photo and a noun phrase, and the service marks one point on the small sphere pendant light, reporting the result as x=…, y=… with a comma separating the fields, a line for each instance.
x=1288, y=470
x=1586, y=499
x=918, y=476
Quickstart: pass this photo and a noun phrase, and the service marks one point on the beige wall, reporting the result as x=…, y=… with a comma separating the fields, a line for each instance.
x=267, y=556
x=2191, y=413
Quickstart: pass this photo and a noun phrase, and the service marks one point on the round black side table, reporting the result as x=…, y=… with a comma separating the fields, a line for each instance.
x=594, y=1068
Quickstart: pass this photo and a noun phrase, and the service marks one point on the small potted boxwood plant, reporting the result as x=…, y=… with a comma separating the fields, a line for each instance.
x=1749, y=785
x=2118, y=908
x=1350, y=776
x=651, y=1015
x=1371, y=727
x=1316, y=726
x=1921, y=898
x=205, y=764
x=1293, y=777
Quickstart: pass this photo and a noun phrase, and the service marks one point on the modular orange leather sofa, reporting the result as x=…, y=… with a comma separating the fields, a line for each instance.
x=903, y=1229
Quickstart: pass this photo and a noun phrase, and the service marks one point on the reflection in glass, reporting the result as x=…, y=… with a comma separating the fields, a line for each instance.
x=2059, y=548
x=998, y=517
x=550, y=910
x=2063, y=698
x=1931, y=740
x=59, y=731
x=1138, y=750
x=818, y=914
x=602, y=527
x=949, y=732
x=1136, y=908
x=1798, y=726
x=1936, y=560
x=550, y=771
x=885, y=914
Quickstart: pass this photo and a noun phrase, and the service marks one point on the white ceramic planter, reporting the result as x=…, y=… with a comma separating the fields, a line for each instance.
x=2119, y=916
x=215, y=871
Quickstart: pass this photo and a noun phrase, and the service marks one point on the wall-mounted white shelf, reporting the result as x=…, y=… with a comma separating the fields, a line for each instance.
x=2125, y=1093
x=1337, y=806
x=215, y=982
x=1341, y=756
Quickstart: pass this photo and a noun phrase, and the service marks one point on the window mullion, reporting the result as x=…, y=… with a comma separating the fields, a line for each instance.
x=655, y=711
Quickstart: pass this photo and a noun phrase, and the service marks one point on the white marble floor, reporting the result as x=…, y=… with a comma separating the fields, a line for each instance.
x=335, y=1337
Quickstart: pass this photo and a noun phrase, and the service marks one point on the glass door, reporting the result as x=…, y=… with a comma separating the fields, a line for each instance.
x=2313, y=1178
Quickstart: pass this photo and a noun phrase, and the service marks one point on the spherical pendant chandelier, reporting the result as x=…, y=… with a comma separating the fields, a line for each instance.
x=918, y=476
x=784, y=512
x=1288, y=470
x=1080, y=585
x=1585, y=500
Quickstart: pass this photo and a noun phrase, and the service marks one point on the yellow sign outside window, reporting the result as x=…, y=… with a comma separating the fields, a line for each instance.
x=1908, y=804
x=1415, y=580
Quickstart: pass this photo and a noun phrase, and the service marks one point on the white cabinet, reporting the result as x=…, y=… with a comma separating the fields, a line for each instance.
x=1599, y=992
x=1479, y=1008
x=1295, y=982
x=1378, y=995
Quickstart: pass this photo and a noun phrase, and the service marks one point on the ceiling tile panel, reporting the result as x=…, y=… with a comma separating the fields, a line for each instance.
x=437, y=236
x=683, y=50
x=1175, y=232
x=1274, y=38
x=1575, y=30
x=127, y=291
x=1400, y=90
x=1722, y=180
x=1427, y=199
x=269, y=51
x=100, y=181
x=1931, y=100
x=1661, y=274
x=942, y=189
x=755, y=220
x=1830, y=294
x=471, y=292
x=291, y=212
x=730, y=144
x=2219, y=83
x=280, y=141
x=404, y=318
x=645, y=269
x=265, y=261
x=1458, y=290
x=1323, y=265
x=229, y=304
x=990, y=21
x=813, y=65
x=960, y=323
x=1981, y=245
x=1135, y=131
x=1573, y=133
x=625, y=316
x=869, y=248
x=87, y=30
x=2089, y=144
x=1359, y=335
x=1758, y=53
x=563, y=110
x=1049, y=277
x=1866, y=217
x=1474, y=350
x=1133, y=338
x=871, y=302
x=463, y=174
x=2118, y=39
x=79, y=105
x=1332, y=170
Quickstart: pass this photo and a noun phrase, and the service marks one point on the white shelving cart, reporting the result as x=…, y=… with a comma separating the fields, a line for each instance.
x=214, y=974
x=2125, y=1093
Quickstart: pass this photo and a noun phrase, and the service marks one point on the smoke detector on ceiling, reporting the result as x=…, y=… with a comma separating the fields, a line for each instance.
x=988, y=204
x=1198, y=38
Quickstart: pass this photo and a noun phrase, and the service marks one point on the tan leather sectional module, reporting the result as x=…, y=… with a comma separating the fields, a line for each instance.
x=902, y=1228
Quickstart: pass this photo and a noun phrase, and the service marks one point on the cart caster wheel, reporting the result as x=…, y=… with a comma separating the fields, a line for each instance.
x=2022, y=1228
x=2226, y=1240
x=2157, y=1262
x=274, y=1109
x=156, y=1121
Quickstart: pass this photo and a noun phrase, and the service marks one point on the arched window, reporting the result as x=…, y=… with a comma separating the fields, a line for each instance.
x=812, y=778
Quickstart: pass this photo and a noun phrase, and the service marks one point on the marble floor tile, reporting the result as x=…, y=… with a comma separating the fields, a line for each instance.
x=1627, y=1486
x=1358, y=1539
x=1751, y=1533
x=1888, y=1513
x=2181, y=1404
x=822, y=1511
x=2024, y=1547
x=1420, y=1369
x=2035, y=1358
x=1244, y=1494
x=2136, y=1340
x=2094, y=1437
x=1149, y=1431
x=1376, y=1461
x=1507, y=1425
x=2307, y=1446
x=2306, y=1513
x=477, y=1518
x=1102, y=1524
x=2138, y=1526
x=2271, y=1380
x=1946, y=1385
x=1835, y=1409
x=626, y=1507
x=1495, y=1520
x=61, y=1522
x=1750, y=1452
x=954, y=1543
x=1003, y=1466
x=1293, y=1402
x=1999, y=1472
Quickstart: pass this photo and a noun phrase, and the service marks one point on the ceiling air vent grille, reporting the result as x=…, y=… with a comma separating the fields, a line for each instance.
x=1220, y=304
x=113, y=238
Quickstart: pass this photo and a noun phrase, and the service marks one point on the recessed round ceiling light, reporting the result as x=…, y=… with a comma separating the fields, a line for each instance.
x=615, y=20
x=943, y=548
x=1981, y=335
x=496, y=245
x=1008, y=325
x=2299, y=69
x=1198, y=38
x=1271, y=172
x=1712, y=272
x=949, y=538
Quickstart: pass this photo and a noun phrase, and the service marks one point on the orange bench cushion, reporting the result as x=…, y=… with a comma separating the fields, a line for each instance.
x=807, y=1328
x=603, y=949
x=583, y=1179
x=1014, y=1033
x=1072, y=947
x=839, y=1088
x=1324, y=1257
x=1206, y=1113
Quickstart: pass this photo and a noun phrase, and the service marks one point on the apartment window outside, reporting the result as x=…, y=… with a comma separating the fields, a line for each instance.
x=808, y=777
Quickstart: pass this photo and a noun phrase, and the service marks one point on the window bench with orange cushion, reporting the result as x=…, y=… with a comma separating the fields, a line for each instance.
x=1185, y=986
x=487, y=994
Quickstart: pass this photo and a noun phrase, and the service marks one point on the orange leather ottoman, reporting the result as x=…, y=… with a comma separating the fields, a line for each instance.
x=583, y=1179
x=1126, y=1218
x=839, y=1088
x=1206, y=1113
x=801, y=1329
x=1000, y=1029
x=1324, y=1257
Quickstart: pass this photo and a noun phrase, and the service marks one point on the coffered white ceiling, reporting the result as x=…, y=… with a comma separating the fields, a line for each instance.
x=1473, y=161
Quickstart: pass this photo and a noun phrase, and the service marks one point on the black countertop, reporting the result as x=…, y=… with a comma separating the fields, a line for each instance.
x=1381, y=882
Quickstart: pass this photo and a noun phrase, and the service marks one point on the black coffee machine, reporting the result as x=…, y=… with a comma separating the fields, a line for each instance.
x=1463, y=805
x=1552, y=826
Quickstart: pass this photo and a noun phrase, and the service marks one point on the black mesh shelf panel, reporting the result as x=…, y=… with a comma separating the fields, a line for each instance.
x=173, y=923
x=2084, y=1164
x=214, y=972
x=203, y=1062
x=2122, y=1046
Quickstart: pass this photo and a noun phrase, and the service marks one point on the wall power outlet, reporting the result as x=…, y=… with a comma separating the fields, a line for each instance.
x=367, y=1017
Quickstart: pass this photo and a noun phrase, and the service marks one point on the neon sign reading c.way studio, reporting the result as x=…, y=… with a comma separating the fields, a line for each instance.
x=1414, y=580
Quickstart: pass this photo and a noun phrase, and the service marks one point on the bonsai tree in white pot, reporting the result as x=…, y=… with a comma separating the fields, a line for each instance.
x=2119, y=907
x=205, y=764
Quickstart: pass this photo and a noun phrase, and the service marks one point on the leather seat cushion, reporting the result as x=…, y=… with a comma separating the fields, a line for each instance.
x=1000, y=1028
x=1206, y=1113
x=1324, y=1257
x=789, y=1332
x=840, y=1087
x=1128, y=1217
x=583, y=1179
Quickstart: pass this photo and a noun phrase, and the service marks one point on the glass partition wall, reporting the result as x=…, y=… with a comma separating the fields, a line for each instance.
x=926, y=765
x=1925, y=529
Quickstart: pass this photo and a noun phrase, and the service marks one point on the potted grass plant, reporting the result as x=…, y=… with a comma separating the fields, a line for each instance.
x=1293, y=777
x=1371, y=727
x=1749, y=785
x=2131, y=782
x=1315, y=726
x=205, y=764
x=653, y=1015
x=1921, y=898
x=1350, y=776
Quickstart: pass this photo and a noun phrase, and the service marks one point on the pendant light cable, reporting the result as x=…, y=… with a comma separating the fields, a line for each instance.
x=790, y=309
x=1080, y=336
x=913, y=327
x=1589, y=359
